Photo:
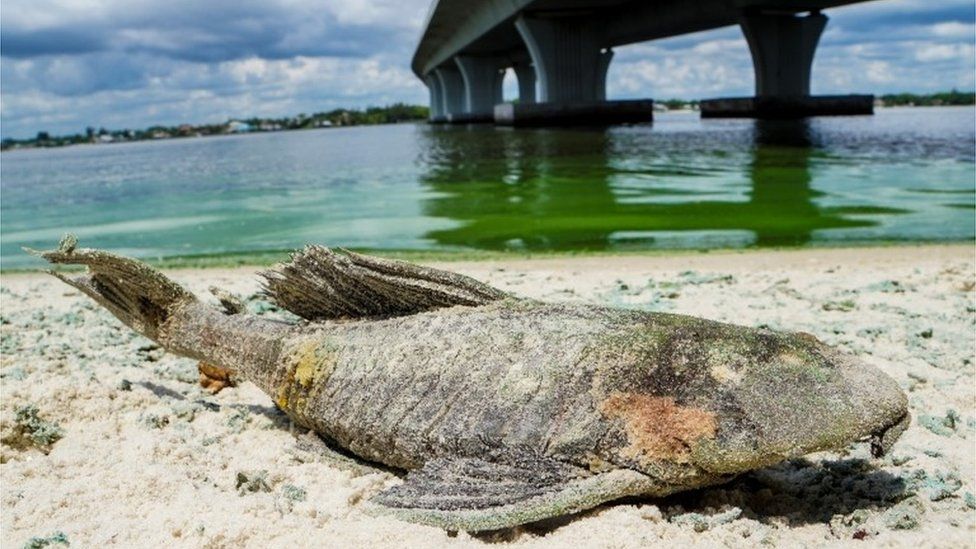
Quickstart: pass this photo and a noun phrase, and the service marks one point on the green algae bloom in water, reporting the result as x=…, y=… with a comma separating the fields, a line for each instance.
x=900, y=175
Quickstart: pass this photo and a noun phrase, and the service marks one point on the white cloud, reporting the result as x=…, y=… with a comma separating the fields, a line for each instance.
x=710, y=66
x=712, y=47
x=878, y=72
x=67, y=64
x=213, y=93
x=941, y=52
x=954, y=29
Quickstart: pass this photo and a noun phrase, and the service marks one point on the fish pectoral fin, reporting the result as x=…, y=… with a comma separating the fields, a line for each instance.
x=319, y=284
x=476, y=495
x=310, y=448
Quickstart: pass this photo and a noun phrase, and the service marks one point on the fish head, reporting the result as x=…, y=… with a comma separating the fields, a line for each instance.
x=717, y=399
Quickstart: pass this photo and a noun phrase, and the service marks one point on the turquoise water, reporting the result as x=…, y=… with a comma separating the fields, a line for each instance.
x=901, y=175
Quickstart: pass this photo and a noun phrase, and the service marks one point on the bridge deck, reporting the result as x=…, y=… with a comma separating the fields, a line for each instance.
x=487, y=26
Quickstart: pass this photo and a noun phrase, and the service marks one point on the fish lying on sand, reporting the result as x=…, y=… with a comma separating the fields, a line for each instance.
x=506, y=411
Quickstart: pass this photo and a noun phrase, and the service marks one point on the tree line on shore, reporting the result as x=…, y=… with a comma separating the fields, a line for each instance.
x=953, y=97
x=391, y=114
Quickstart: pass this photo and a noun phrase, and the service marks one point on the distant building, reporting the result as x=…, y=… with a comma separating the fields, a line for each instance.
x=236, y=126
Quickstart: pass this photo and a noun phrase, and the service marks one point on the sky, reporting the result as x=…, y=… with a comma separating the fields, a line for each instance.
x=68, y=64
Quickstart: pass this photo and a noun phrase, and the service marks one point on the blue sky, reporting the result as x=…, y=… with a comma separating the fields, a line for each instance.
x=68, y=64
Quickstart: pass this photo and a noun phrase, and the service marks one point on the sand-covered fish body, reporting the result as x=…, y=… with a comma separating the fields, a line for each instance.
x=508, y=411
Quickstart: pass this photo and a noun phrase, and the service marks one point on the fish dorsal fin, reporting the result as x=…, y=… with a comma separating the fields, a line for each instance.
x=319, y=283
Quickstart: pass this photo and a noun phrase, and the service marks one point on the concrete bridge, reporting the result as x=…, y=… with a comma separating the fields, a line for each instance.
x=560, y=51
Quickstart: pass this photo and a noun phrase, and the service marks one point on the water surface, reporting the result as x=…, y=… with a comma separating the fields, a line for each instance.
x=900, y=175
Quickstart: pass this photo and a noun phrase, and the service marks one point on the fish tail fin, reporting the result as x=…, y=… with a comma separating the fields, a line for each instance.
x=139, y=295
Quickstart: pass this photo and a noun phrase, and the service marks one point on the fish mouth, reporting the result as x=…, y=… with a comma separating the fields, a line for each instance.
x=883, y=439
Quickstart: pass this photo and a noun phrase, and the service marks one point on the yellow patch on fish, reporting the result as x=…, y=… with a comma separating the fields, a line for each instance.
x=722, y=373
x=309, y=363
x=657, y=428
x=309, y=366
x=790, y=363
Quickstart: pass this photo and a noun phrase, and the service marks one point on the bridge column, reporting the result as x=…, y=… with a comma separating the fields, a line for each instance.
x=482, y=87
x=452, y=91
x=436, y=99
x=525, y=74
x=569, y=61
x=782, y=47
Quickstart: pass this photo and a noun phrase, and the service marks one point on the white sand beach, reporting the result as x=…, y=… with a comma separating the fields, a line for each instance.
x=148, y=458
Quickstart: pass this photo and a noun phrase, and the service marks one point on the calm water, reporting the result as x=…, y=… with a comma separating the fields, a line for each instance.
x=903, y=174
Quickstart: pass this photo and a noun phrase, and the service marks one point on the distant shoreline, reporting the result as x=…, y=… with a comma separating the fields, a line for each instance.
x=373, y=116
x=193, y=137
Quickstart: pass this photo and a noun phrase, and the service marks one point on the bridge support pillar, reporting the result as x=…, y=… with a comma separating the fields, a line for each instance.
x=570, y=65
x=782, y=47
x=482, y=78
x=452, y=91
x=436, y=99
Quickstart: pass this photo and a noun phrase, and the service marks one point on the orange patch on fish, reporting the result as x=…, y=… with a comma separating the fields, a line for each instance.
x=214, y=378
x=657, y=428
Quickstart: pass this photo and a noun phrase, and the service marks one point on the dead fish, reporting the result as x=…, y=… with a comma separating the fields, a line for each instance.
x=506, y=411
